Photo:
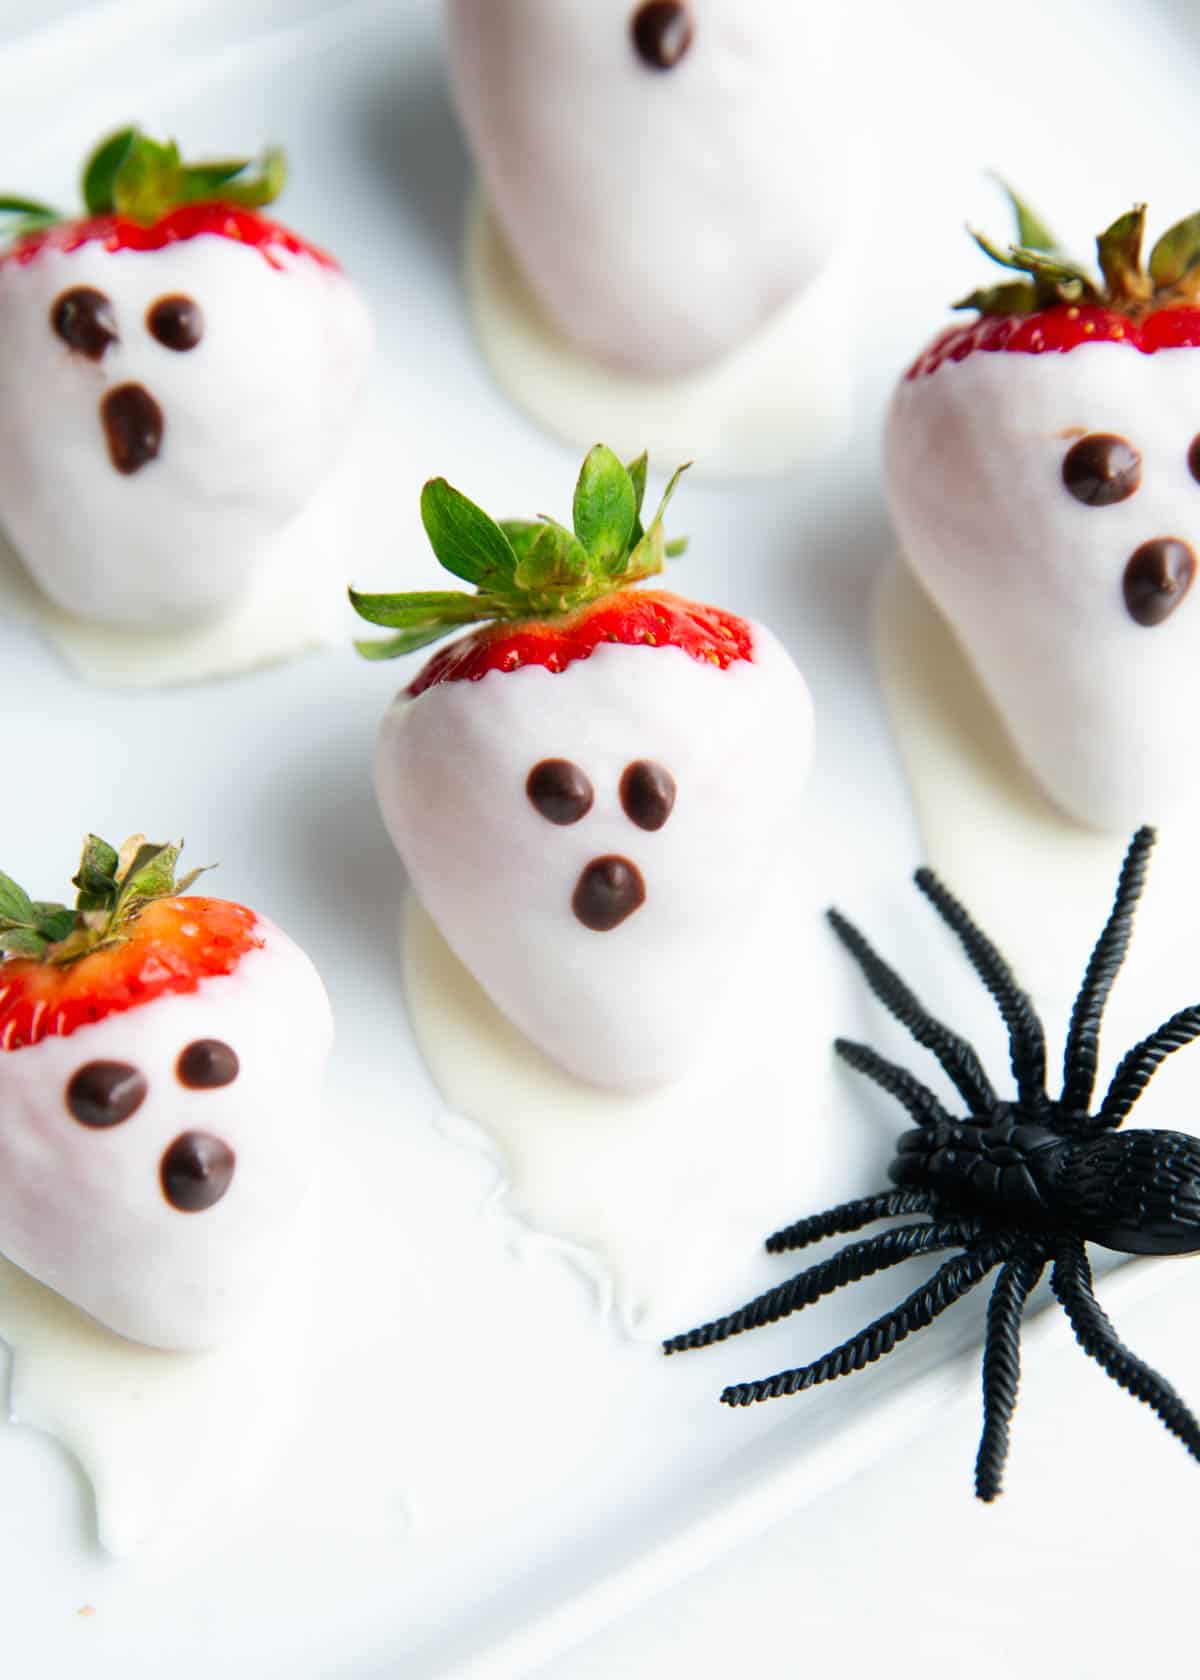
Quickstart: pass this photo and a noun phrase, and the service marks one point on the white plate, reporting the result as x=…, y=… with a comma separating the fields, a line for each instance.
x=488, y=1470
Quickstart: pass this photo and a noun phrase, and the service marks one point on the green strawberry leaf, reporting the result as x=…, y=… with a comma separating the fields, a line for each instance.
x=1176, y=254
x=521, y=533
x=422, y=607
x=21, y=942
x=1032, y=232
x=1119, y=250
x=637, y=477
x=145, y=185
x=555, y=560
x=101, y=170
x=16, y=910
x=408, y=641
x=53, y=921
x=230, y=183
x=676, y=547
x=605, y=507
x=466, y=541
x=1017, y=297
x=151, y=873
x=96, y=877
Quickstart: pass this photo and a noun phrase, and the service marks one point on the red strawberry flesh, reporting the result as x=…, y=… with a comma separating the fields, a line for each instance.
x=633, y=617
x=172, y=945
x=1061, y=329
x=188, y=221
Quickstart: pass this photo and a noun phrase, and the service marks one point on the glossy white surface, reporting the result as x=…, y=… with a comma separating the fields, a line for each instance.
x=484, y=1473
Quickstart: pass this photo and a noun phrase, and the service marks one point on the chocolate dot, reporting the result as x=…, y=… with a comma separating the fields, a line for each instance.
x=196, y=1171
x=206, y=1064
x=177, y=322
x=662, y=32
x=83, y=318
x=1101, y=469
x=133, y=426
x=609, y=889
x=1194, y=457
x=647, y=793
x=105, y=1093
x=1158, y=576
x=559, y=791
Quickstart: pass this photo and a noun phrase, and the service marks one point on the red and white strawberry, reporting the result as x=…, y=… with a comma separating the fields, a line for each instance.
x=1043, y=472
x=160, y=1062
x=177, y=377
x=609, y=133
x=595, y=795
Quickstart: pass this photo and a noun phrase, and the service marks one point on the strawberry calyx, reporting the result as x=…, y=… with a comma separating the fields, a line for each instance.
x=141, y=180
x=114, y=887
x=1169, y=278
x=527, y=571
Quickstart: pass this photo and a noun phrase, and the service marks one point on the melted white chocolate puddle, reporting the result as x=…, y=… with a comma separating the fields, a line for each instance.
x=168, y=1441
x=662, y=1199
x=779, y=399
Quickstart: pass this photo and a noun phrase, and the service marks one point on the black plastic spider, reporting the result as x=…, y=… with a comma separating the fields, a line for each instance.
x=1018, y=1184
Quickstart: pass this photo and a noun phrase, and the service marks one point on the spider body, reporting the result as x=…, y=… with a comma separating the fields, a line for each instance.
x=1017, y=1183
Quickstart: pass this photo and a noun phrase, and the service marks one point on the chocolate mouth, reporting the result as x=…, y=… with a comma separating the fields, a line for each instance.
x=609, y=890
x=133, y=427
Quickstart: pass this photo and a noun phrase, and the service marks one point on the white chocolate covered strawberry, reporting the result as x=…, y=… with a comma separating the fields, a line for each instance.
x=177, y=377
x=160, y=1064
x=597, y=794
x=1043, y=472
x=666, y=174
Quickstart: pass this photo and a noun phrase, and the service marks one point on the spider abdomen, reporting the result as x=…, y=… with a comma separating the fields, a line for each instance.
x=1138, y=1191
x=1001, y=1169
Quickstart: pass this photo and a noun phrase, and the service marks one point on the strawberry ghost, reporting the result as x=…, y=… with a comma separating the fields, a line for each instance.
x=177, y=377
x=596, y=794
x=160, y=1062
x=1043, y=472
x=667, y=175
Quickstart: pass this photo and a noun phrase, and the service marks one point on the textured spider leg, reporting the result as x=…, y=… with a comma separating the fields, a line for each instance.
x=948, y=1284
x=954, y=1053
x=849, y=1265
x=1026, y=1035
x=1002, y=1366
x=1139, y=1065
x=1083, y=1036
x=1071, y=1281
x=849, y=1216
x=918, y=1099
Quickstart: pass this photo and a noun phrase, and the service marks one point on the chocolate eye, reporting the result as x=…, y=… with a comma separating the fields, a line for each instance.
x=177, y=322
x=1157, y=577
x=647, y=793
x=83, y=318
x=207, y=1063
x=105, y=1093
x=559, y=791
x=1101, y=469
x=662, y=32
x=196, y=1171
x=1194, y=458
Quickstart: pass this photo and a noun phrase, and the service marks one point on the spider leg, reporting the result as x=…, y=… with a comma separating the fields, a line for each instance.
x=954, y=1053
x=918, y=1099
x=1139, y=1065
x=849, y=1216
x=849, y=1265
x=1002, y=1367
x=1071, y=1281
x=1026, y=1035
x=948, y=1284
x=1083, y=1036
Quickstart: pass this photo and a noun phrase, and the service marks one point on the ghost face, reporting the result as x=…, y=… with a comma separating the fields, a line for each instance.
x=164, y=415
x=150, y=1163
x=1051, y=507
x=599, y=846
x=667, y=175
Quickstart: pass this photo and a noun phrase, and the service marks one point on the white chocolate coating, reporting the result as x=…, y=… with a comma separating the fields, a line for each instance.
x=660, y=216
x=1102, y=709
x=630, y=1008
x=255, y=416
x=83, y=1210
